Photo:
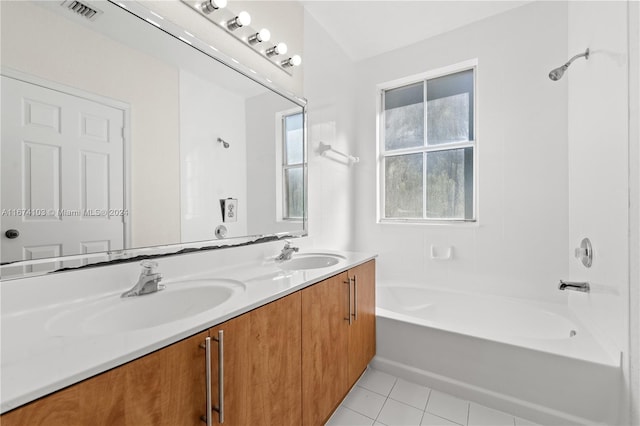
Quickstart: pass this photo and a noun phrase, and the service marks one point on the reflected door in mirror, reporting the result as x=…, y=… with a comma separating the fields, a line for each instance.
x=68, y=153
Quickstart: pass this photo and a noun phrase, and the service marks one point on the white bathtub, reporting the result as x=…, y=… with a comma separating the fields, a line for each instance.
x=528, y=358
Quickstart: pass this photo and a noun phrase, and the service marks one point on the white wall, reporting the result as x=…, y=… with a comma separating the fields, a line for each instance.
x=264, y=164
x=634, y=216
x=208, y=171
x=598, y=166
x=518, y=247
x=634, y=213
x=33, y=36
x=328, y=84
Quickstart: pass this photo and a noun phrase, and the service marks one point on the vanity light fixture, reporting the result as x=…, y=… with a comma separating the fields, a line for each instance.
x=258, y=40
x=293, y=61
x=241, y=20
x=209, y=6
x=278, y=49
x=262, y=35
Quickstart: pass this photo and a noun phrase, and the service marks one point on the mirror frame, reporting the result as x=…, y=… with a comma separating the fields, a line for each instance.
x=139, y=253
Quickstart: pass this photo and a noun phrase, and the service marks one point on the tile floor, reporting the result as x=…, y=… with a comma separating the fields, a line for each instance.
x=380, y=399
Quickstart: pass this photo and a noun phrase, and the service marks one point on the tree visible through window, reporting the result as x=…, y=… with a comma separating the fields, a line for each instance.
x=427, y=148
x=293, y=166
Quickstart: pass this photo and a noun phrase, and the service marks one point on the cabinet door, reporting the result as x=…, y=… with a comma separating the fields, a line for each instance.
x=166, y=387
x=362, y=332
x=261, y=361
x=325, y=316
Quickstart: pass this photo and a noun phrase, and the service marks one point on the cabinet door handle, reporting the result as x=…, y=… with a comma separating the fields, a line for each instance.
x=207, y=350
x=349, y=315
x=220, y=407
x=355, y=298
x=208, y=418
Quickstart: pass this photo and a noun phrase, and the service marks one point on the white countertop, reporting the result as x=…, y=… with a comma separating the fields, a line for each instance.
x=36, y=362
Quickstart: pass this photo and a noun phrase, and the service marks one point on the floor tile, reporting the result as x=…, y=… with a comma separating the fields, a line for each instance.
x=480, y=415
x=398, y=414
x=430, y=420
x=346, y=417
x=448, y=407
x=377, y=381
x=364, y=401
x=410, y=393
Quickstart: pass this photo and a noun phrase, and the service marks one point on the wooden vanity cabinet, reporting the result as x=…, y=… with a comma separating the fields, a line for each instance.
x=362, y=332
x=261, y=364
x=166, y=387
x=338, y=339
x=325, y=342
x=289, y=362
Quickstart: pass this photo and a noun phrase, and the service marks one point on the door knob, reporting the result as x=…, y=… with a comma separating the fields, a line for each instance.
x=12, y=233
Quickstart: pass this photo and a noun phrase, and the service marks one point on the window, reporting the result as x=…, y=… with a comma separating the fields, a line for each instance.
x=292, y=167
x=427, y=143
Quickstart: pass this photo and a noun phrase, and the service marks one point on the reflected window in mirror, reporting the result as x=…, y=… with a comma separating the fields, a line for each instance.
x=292, y=164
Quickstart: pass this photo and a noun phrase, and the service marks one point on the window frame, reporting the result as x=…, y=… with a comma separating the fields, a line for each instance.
x=381, y=153
x=282, y=208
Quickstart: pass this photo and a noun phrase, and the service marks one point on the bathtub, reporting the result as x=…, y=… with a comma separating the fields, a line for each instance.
x=528, y=358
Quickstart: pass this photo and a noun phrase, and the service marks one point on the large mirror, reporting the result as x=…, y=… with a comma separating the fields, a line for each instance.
x=118, y=136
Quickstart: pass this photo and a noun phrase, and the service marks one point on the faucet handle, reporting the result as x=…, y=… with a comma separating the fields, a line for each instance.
x=148, y=266
x=288, y=246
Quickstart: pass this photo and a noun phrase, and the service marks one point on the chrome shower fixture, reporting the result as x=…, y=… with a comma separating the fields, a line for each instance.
x=557, y=73
x=223, y=142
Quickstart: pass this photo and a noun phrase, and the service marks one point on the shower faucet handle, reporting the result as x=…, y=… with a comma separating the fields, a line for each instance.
x=574, y=285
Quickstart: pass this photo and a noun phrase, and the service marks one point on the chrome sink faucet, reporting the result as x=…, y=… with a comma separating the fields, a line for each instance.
x=287, y=252
x=148, y=281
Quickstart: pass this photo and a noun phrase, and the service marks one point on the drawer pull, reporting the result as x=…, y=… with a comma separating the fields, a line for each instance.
x=355, y=298
x=220, y=408
x=207, y=348
x=349, y=315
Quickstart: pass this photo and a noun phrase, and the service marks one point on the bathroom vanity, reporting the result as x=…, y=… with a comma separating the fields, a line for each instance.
x=289, y=348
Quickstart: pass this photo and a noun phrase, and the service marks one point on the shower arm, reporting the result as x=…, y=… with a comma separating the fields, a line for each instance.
x=579, y=55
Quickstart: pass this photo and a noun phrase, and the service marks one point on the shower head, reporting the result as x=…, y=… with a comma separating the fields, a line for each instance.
x=223, y=142
x=556, y=74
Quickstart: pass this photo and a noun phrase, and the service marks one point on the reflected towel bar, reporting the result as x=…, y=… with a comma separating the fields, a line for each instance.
x=323, y=148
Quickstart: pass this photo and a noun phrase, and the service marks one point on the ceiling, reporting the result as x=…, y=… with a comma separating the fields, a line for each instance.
x=368, y=28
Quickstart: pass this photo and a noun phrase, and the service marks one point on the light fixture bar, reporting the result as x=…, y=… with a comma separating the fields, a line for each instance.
x=238, y=25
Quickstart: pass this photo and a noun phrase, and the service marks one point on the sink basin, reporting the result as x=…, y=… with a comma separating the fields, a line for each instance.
x=311, y=261
x=113, y=314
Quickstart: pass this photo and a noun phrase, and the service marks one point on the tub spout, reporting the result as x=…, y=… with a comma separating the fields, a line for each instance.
x=576, y=286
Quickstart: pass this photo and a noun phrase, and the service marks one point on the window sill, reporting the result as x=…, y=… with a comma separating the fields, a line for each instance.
x=435, y=223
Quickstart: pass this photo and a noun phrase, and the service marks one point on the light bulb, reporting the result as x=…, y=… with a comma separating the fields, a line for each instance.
x=278, y=49
x=293, y=61
x=212, y=5
x=241, y=20
x=262, y=35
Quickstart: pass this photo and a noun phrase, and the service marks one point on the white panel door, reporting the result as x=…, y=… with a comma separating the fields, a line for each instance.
x=62, y=174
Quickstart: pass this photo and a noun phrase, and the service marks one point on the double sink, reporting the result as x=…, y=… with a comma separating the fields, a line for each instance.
x=180, y=300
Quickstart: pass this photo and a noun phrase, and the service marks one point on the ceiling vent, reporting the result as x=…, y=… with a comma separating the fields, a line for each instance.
x=81, y=9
